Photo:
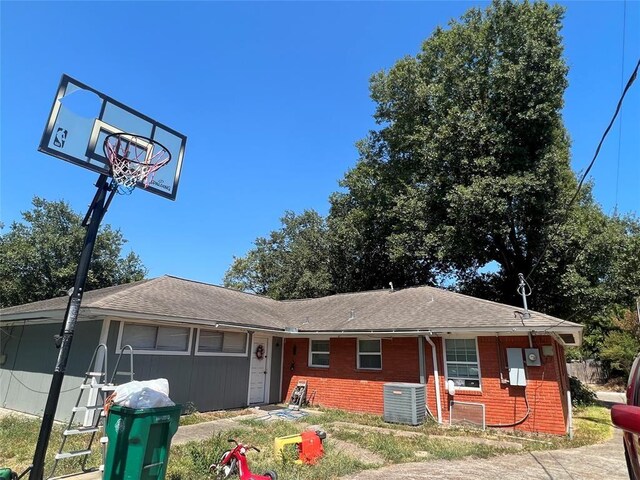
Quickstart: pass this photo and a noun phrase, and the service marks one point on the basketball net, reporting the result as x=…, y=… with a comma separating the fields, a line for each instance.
x=134, y=160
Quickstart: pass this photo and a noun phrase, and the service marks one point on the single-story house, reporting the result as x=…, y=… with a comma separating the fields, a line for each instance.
x=221, y=348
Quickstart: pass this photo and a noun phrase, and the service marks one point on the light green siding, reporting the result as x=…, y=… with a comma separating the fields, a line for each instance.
x=206, y=382
x=276, y=369
x=25, y=377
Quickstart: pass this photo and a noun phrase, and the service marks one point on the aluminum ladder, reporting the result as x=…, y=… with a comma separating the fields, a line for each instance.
x=93, y=421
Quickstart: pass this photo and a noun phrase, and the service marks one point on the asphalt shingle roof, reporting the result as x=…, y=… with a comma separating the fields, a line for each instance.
x=416, y=308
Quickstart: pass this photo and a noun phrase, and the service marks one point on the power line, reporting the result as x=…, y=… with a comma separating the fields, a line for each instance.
x=632, y=78
x=14, y=376
x=624, y=30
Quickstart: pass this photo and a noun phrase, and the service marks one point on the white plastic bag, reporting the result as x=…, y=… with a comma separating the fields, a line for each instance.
x=147, y=394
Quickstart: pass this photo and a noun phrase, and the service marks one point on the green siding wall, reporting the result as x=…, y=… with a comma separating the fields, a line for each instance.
x=25, y=377
x=207, y=382
x=276, y=369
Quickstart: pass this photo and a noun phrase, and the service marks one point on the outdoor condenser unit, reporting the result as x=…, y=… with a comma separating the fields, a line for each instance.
x=404, y=403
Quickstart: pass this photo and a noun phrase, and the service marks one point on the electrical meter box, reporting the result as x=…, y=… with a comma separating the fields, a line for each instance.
x=515, y=363
x=532, y=357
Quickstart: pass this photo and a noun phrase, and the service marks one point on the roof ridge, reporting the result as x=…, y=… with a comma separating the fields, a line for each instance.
x=502, y=305
x=221, y=287
x=339, y=294
x=123, y=287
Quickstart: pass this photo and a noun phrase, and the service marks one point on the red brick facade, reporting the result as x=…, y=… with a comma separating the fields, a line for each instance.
x=343, y=385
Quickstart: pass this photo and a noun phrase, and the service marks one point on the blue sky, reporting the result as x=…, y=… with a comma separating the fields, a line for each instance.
x=272, y=98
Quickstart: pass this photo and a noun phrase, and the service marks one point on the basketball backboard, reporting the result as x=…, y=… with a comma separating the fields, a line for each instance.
x=80, y=120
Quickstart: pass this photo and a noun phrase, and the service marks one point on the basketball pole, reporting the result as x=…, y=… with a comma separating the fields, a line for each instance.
x=92, y=221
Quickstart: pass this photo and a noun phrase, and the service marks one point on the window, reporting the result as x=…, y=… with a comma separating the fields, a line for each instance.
x=370, y=354
x=152, y=338
x=319, y=353
x=462, y=362
x=220, y=342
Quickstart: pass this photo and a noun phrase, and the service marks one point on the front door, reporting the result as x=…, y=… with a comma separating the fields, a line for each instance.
x=259, y=370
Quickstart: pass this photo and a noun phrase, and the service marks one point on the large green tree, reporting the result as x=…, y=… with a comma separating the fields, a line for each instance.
x=471, y=162
x=39, y=256
x=293, y=262
x=469, y=168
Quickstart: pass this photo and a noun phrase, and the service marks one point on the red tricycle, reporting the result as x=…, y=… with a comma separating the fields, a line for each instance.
x=234, y=462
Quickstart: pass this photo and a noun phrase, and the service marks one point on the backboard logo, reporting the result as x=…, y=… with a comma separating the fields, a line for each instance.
x=160, y=184
x=60, y=138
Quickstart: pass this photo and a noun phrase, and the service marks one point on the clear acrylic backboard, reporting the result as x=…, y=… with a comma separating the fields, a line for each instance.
x=81, y=119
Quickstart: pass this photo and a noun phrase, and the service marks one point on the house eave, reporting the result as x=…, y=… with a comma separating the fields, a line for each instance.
x=43, y=316
x=95, y=313
x=119, y=315
x=399, y=332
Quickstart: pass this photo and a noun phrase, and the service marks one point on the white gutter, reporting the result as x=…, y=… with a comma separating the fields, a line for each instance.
x=537, y=330
x=166, y=319
x=436, y=377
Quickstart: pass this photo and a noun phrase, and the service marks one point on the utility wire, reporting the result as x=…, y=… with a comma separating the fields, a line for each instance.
x=13, y=375
x=624, y=29
x=584, y=175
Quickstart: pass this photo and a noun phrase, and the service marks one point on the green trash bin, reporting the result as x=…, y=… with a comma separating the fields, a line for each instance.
x=7, y=474
x=139, y=441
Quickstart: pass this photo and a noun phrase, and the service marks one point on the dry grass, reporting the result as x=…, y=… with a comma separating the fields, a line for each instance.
x=18, y=437
x=191, y=461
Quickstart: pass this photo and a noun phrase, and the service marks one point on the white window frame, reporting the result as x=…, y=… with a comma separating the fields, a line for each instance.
x=119, y=344
x=311, y=352
x=358, y=353
x=198, y=353
x=446, y=366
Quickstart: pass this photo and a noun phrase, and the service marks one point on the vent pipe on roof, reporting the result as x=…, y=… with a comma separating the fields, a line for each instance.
x=391, y=285
x=352, y=316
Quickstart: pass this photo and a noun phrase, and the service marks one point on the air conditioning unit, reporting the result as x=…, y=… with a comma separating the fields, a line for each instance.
x=404, y=403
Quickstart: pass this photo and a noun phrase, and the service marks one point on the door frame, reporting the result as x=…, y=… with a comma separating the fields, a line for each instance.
x=267, y=379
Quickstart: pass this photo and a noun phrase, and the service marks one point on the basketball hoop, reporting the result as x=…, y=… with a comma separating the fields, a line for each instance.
x=134, y=159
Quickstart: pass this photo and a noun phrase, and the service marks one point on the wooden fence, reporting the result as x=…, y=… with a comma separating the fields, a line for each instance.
x=587, y=371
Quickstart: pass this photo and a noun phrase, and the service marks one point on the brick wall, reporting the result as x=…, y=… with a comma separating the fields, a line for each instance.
x=505, y=404
x=343, y=386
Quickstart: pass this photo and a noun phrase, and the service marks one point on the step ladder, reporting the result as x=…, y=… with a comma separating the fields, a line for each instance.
x=92, y=424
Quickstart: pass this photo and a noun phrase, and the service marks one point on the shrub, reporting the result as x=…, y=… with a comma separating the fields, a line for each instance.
x=581, y=395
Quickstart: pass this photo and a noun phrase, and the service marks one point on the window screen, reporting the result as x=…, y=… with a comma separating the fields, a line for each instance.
x=462, y=362
x=319, y=353
x=173, y=339
x=140, y=337
x=151, y=337
x=210, y=341
x=234, y=342
x=215, y=341
x=370, y=354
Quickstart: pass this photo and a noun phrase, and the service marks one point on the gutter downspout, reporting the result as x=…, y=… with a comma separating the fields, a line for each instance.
x=436, y=376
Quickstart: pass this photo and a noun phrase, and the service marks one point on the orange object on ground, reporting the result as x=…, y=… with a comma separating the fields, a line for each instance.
x=310, y=448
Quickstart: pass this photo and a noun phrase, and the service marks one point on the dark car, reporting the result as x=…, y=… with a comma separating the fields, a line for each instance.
x=627, y=417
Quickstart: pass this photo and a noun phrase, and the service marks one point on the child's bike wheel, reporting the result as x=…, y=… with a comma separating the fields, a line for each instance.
x=224, y=471
x=271, y=474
